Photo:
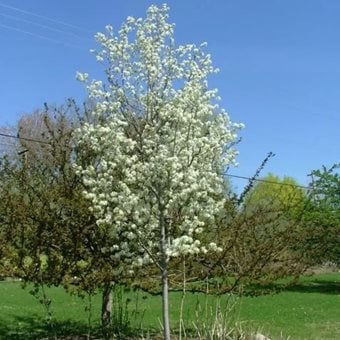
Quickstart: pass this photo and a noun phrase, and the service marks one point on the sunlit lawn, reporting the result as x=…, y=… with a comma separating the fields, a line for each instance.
x=309, y=310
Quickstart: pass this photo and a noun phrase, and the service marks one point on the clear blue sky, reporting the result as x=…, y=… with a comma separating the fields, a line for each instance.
x=279, y=61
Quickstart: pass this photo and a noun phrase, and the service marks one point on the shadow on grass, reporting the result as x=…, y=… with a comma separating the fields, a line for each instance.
x=32, y=327
x=315, y=286
x=321, y=287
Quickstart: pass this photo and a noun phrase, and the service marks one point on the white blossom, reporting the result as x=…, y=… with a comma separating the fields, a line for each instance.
x=82, y=76
x=160, y=139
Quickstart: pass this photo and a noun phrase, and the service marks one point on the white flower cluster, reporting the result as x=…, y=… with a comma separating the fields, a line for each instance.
x=161, y=141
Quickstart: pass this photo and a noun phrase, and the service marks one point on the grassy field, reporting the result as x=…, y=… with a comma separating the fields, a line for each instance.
x=309, y=310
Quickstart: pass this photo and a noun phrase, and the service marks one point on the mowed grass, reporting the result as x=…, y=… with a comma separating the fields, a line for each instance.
x=308, y=310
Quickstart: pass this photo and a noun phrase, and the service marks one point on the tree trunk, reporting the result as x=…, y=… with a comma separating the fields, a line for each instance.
x=165, y=303
x=107, y=305
x=164, y=274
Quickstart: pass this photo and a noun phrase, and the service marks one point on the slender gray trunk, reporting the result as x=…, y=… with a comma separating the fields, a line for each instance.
x=165, y=303
x=164, y=275
x=107, y=299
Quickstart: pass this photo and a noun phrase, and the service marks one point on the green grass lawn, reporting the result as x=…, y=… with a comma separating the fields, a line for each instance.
x=309, y=310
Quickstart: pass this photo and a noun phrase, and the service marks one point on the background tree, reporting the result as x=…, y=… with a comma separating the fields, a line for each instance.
x=261, y=233
x=162, y=143
x=48, y=234
x=322, y=218
x=272, y=191
x=36, y=187
x=271, y=214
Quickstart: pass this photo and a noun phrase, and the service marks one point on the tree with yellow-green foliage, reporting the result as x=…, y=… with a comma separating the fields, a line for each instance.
x=263, y=236
x=272, y=191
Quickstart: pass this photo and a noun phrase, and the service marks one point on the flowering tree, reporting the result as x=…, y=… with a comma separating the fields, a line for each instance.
x=161, y=142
